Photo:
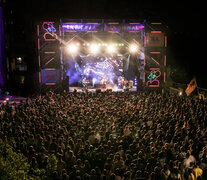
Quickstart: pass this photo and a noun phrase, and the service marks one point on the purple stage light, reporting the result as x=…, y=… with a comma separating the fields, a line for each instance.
x=110, y=27
x=134, y=27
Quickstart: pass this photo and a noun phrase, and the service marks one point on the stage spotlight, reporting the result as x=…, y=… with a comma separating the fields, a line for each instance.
x=133, y=48
x=72, y=48
x=94, y=48
x=111, y=48
x=94, y=81
x=19, y=60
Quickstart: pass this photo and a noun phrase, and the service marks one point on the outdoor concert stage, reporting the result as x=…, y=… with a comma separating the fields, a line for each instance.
x=73, y=52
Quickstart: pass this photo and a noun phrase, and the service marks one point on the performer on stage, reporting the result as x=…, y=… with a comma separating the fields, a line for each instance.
x=122, y=82
x=103, y=82
x=84, y=83
x=126, y=84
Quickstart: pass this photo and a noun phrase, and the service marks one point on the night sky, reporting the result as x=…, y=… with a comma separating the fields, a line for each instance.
x=186, y=21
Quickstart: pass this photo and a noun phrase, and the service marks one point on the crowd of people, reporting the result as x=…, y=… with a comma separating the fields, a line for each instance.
x=111, y=135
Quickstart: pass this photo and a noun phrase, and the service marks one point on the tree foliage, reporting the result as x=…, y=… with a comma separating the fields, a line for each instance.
x=12, y=165
x=15, y=166
x=52, y=164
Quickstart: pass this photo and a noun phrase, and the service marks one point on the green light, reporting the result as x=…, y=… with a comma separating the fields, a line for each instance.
x=114, y=135
x=152, y=76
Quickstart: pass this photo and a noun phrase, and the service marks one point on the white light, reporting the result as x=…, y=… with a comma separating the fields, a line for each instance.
x=72, y=48
x=19, y=60
x=111, y=48
x=115, y=88
x=180, y=93
x=94, y=81
x=133, y=48
x=94, y=48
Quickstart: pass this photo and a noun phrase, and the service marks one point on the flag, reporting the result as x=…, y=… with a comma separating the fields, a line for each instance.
x=201, y=96
x=191, y=86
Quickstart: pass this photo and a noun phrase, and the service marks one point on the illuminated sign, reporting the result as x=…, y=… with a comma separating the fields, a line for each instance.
x=49, y=27
x=112, y=27
x=134, y=27
x=153, y=77
x=127, y=28
x=80, y=27
x=47, y=35
x=50, y=76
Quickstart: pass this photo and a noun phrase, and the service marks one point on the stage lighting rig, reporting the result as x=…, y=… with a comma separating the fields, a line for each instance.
x=133, y=48
x=94, y=48
x=111, y=48
x=72, y=48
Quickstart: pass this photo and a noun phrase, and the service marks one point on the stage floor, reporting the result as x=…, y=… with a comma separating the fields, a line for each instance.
x=81, y=89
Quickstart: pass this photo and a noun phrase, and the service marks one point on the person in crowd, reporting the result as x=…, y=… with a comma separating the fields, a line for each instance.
x=111, y=135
